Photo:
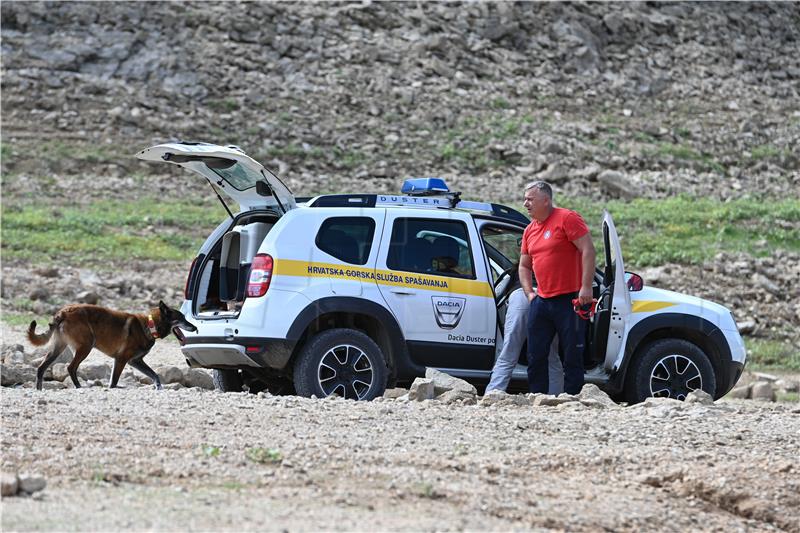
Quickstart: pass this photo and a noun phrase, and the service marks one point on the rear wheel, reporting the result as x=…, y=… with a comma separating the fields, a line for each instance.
x=342, y=362
x=669, y=368
x=227, y=380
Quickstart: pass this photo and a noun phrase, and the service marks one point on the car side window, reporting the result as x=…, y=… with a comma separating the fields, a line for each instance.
x=431, y=246
x=347, y=238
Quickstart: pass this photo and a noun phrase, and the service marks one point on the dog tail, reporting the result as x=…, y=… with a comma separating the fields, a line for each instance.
x=39, y=340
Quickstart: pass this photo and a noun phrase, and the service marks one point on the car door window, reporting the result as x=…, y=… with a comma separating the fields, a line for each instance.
x=503, y=246
x=347, y=238
x=430, y=246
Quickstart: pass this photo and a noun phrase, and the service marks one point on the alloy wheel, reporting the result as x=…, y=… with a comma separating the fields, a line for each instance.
x=345, y=370
x=675, y=376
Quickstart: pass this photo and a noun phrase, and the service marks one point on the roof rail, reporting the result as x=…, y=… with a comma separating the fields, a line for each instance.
x=430, y=202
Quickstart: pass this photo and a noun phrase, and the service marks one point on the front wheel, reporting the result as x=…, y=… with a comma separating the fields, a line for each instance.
x=342, y=362
x=669, y=368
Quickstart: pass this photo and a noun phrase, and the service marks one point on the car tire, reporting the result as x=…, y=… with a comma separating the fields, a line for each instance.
x=344, y=362
x=669, y=368
x=227, y=380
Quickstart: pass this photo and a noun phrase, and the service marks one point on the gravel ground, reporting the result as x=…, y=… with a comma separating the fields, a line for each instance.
x=137, y=459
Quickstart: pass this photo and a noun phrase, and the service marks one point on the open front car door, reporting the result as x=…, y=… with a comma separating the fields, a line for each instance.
x=615, y=299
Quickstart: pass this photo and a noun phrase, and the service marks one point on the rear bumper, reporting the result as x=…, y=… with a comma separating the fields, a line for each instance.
x=215, y=352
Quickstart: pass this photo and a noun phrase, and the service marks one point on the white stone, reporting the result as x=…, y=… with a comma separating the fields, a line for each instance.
x=445, y=382
x=762, y=390
x=169, y=374
x=421, y=389
x=93, y=371
x=31, y=483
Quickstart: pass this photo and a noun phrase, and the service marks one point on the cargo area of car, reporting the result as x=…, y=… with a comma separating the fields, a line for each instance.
x=220, y=280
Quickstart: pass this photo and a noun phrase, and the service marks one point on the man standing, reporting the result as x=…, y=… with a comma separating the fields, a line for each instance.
x=557, y=248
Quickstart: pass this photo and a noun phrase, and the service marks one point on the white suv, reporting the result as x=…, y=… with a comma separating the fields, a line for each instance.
x=348, y=294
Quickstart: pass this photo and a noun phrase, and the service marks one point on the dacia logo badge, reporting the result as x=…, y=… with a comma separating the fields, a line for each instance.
x=448, y=310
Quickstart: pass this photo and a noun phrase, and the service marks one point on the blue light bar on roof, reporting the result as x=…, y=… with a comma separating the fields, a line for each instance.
x=424, y=187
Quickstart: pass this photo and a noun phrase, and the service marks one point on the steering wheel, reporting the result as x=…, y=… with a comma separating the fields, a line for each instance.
x=511, y=286
x=503, y=274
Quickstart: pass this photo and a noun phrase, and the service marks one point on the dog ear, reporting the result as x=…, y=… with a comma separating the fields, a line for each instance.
x=164, y=308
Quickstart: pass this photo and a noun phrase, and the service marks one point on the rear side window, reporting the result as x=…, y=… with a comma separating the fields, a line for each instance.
x=431, y=246
x=347, y=238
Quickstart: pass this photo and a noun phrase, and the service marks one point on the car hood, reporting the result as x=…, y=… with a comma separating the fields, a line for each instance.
x=651, y=299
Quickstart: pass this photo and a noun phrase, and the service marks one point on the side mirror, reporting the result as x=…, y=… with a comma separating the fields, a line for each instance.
x=635, y=282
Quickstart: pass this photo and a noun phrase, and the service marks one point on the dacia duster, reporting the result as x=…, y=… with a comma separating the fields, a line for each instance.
x=347, y=294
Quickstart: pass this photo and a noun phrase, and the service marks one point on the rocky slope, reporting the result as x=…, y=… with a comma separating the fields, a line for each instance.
x=680, y=97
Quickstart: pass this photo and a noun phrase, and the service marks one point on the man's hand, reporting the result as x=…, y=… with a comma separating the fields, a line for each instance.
x=526, y=276
x=585, y=295
x=586, y=247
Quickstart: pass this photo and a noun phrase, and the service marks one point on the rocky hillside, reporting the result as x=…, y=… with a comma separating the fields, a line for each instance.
x=633, y=99
x=607, y=101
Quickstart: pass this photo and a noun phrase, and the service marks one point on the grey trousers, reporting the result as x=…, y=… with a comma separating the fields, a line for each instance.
x=514, y=336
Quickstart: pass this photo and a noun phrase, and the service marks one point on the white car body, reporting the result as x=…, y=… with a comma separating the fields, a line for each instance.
x=443, y=314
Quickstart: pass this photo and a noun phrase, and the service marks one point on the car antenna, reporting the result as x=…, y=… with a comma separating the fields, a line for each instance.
x=220, y=198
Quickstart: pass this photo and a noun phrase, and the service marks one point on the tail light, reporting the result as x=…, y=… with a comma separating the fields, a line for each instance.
x=260, y=275
x=188, y=279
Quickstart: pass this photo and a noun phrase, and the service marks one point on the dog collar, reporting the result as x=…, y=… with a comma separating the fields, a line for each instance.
x=151, y=325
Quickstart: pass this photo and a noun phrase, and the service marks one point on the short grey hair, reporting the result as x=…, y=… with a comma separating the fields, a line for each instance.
x=541, y=186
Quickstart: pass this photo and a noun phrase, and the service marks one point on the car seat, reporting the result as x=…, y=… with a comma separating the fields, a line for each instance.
x=419, y=255
x=445, y=254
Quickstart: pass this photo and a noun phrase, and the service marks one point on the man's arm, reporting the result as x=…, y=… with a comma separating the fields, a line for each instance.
x=526, y=276
x=586, y=247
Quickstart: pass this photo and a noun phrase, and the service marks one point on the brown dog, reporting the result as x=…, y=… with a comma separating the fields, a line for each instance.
x=123, y=336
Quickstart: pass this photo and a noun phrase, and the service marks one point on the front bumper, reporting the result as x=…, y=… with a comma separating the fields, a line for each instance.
x=735, y=366
x=729, y=379
x=216, y=352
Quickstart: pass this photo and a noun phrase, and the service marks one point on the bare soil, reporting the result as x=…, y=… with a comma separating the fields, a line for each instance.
x=140, y=459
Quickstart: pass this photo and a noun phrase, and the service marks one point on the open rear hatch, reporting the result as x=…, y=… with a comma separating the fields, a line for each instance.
x=218, y=285
x=239, y=176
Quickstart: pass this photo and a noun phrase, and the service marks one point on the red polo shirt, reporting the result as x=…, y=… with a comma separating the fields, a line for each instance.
x=556, y=261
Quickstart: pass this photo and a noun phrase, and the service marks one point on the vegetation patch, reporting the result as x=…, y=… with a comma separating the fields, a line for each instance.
x=693, y=230
x=768, y=151
x=500, y=103
x=148, y=228
x=469, y=141
x=686, y=153
x=22, y=319
x=58, y=152
x=224, y=105
x=771, y=354
x=348, y=158
x=209, y=450
x=264, y=455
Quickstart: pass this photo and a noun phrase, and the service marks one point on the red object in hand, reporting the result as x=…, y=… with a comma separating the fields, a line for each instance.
x=585, y=311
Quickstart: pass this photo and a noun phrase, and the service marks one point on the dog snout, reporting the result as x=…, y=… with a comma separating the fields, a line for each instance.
x=188, y=326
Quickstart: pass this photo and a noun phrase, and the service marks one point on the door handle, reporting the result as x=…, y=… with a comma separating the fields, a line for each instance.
x=400, y=291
